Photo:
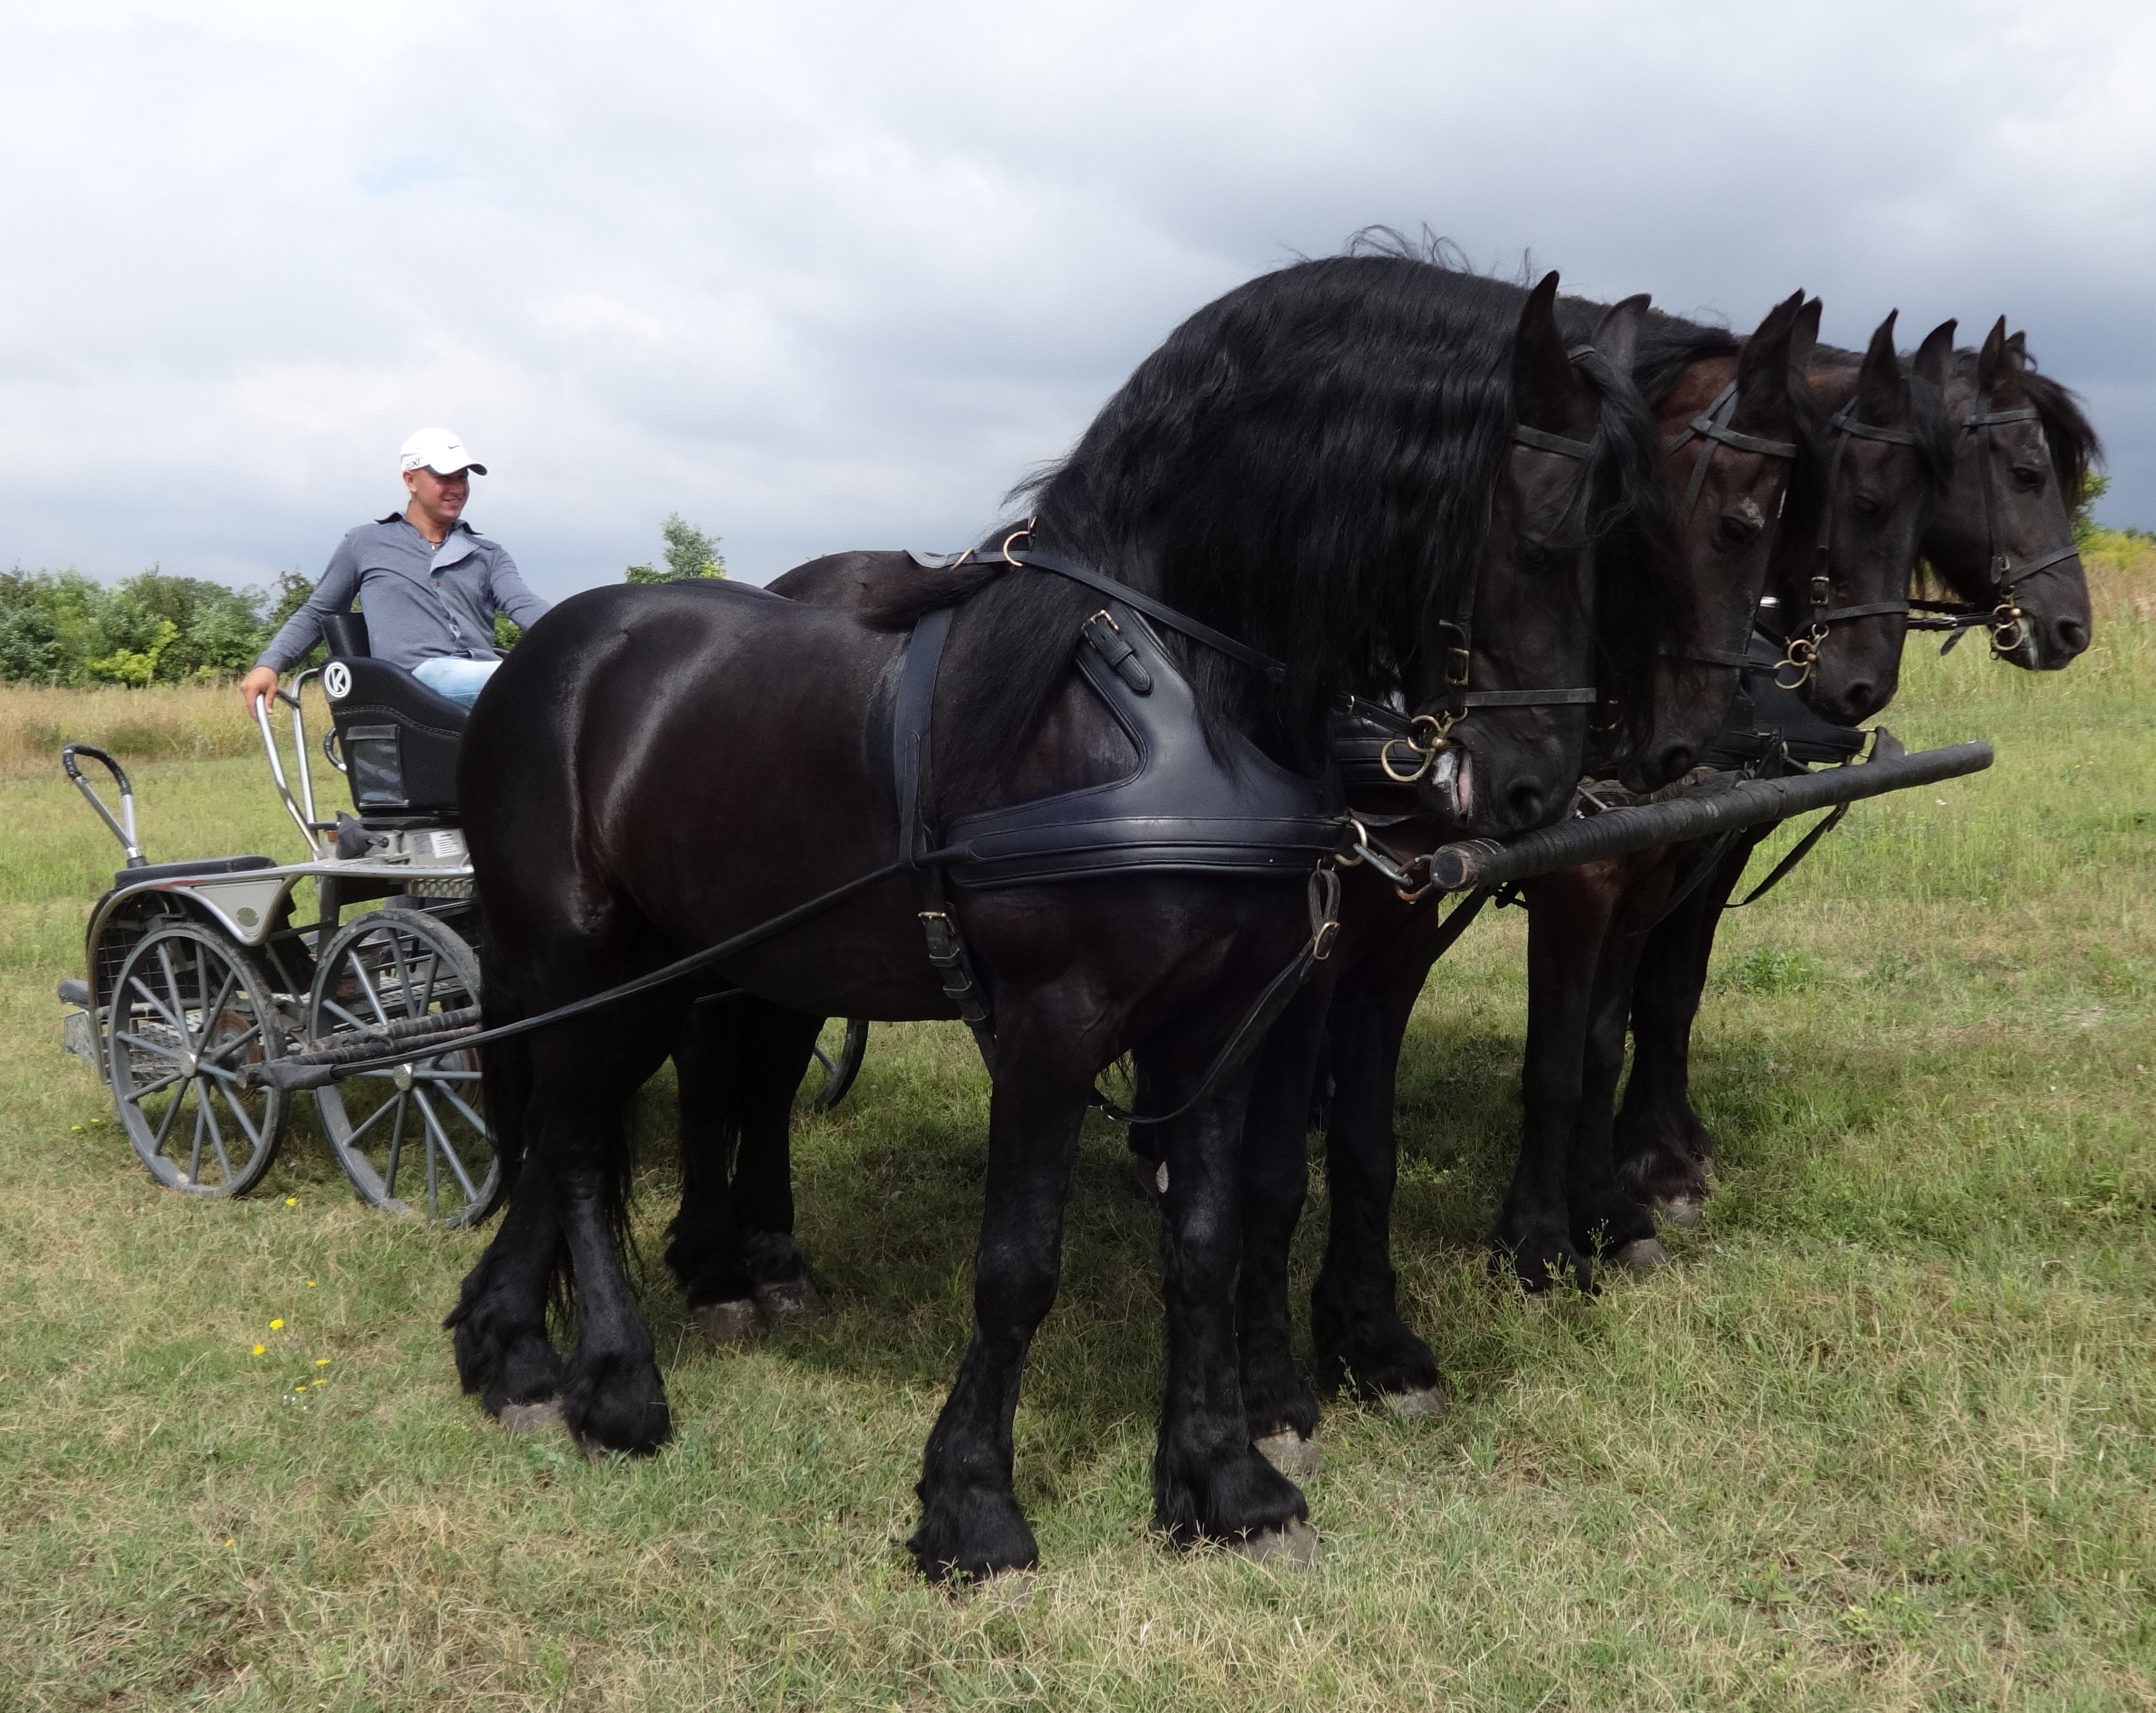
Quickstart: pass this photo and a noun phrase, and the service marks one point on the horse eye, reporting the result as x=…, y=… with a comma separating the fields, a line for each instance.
x=2027, y=479
x=1868, y=506
x=1735, y=531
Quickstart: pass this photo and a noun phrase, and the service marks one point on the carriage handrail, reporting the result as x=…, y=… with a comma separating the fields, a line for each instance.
x=123, y=826
x=305, y=818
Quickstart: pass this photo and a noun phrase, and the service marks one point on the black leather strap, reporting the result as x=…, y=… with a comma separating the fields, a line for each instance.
x=1158, y=611
x=909, y=715
x=1542, y=440
x=1798, y=852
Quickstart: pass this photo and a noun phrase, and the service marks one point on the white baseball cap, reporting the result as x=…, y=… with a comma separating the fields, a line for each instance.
x=440, y=450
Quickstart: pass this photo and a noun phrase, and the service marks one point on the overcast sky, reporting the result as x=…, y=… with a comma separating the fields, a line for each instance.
x=819, y=276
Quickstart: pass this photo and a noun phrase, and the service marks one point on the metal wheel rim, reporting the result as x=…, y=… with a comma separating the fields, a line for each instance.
x=187, y=1009
x=426, y=1114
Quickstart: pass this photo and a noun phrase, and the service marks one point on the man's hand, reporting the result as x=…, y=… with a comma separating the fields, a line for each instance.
x=260, y=682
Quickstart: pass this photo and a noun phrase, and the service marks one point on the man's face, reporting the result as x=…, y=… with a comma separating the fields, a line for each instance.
x=441, y=497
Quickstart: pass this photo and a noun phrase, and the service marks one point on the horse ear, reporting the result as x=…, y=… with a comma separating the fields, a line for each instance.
x=1763, y=372
x=2017, y=349
x=1546, y=391
x=1803, y=335
x=1991, y=357
x=1932, y=356
x=1881, y=392
x=1617, y=334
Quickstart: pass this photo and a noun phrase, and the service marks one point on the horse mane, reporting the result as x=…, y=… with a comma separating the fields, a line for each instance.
x=2067, y=430
x=1306, y=463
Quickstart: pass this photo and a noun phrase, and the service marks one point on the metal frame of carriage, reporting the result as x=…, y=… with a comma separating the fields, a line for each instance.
x=196, y=973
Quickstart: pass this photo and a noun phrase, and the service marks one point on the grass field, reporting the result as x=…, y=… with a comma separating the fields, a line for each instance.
x=1882, y=1438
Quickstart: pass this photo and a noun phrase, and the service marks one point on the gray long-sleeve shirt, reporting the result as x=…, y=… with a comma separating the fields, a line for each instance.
x=422, y=600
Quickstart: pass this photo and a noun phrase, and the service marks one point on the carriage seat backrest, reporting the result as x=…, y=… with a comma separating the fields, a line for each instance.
x=398, y=738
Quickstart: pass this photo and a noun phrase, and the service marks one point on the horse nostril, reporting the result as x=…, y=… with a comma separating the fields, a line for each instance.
x=1523, y=804
x=1857, y=701
x=2072, y=636
x=1673, y=761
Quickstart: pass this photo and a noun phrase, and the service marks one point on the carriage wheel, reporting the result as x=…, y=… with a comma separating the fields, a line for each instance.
x=841, y=1059
x=190, y=1008
x=413, y=1138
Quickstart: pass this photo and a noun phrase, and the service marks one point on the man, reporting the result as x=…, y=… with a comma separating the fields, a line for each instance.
x=431, y=584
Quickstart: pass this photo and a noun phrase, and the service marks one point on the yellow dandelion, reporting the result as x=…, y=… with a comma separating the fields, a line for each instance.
x=259, y=1348
x=277, y=1326
x=322, y=1362
x=291, y=1201
x=232, y=1543
x=311, y=1285
x=299, y=1386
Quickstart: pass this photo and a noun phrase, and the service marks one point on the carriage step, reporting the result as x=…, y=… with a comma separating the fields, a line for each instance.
x=74, y=993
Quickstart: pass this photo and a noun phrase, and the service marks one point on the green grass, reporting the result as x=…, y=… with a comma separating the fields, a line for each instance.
x=1882, y=1439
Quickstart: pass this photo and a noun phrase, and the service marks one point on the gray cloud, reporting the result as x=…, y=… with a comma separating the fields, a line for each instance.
x=830, y=275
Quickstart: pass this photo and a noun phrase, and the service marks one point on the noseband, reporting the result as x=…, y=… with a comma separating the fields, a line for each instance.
x=2009, y=625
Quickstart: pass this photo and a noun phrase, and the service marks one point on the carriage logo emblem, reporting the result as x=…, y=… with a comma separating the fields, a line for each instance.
x=336, y=680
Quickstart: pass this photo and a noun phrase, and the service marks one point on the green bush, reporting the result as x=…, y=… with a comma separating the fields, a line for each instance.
x=62, y=627
x=688, y=552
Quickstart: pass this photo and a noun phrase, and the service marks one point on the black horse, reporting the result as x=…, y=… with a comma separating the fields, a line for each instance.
x=1326, y=466
x=2010, y=497
x=1725, y=505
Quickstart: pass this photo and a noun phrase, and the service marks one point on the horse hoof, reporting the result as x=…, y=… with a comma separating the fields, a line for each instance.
x=790, y=1299
x=1012, y=1590
x=728, y=1326
x=1293, y=1546
x=1425, y=1404
x=1290, y=1453
x=531, y=1417
x=1684, y=1214
x=1643, y=1255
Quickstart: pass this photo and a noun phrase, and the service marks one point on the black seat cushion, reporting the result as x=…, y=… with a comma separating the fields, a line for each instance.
x=204, y=866
x=398, y=738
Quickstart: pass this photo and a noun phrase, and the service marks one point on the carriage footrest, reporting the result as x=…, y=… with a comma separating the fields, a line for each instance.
x=73, y=993
x=79, y=1039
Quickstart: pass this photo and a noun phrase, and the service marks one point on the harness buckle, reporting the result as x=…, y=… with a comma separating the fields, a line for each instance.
x=1425, y=740
x=2010, y=627
x=1800, y=657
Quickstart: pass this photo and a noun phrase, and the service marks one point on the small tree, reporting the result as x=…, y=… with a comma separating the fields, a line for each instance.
x=688, y=552
x=2085, y=523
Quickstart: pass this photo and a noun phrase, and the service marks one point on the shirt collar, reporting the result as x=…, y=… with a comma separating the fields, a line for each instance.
x=460, y=524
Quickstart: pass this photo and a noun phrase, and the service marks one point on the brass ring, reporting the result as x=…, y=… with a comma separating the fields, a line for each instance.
x=1426, y=759
x=1026, y=532
x=1353, y=857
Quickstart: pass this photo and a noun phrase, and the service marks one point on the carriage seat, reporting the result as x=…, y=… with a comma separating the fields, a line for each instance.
x=398, y=738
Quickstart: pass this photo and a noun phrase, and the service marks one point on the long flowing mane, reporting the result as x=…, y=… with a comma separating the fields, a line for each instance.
x=1306, y=462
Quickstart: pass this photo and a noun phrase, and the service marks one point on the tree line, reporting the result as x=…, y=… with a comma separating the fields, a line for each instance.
x=62, y=628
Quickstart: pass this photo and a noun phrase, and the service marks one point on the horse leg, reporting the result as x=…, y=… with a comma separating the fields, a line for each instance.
x=971, y=1524
x=1210, y=1481
x=1661, y=1149
x=1363, y=1346
x=588, y=1068
x=500, y=1321
x=777, y=1045
x=1283, y=1413
x=1567, y=922
x=1603, y=1217
x=704, y=1246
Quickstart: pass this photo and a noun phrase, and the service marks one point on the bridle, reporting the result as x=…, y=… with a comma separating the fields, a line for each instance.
x=1801, y=649
x=1428, y=735
x=1711, y=427
x=2010, y=624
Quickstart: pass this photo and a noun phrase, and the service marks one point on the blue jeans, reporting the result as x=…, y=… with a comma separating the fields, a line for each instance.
x=452, y=676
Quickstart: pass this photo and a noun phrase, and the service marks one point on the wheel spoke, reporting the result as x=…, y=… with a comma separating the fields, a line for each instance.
x=351, y=1018
x=396, y=1147
x=239, y=1113
x=225, y=991
x=178, y=1024
x=366, y=986
x=216, y=1133
x=156, y=1048
x=470, y=1117
x=171, y=1112
x=194, y=1154
x=361, y=1129
x=434, y=973
x=448, y=1148
x=178, y=1014
x=148, y=1089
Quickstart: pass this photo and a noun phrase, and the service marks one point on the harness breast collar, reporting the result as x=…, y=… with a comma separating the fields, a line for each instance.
x=1180, y=810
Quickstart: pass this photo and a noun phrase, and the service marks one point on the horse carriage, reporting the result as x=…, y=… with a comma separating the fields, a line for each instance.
x=199, y=972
